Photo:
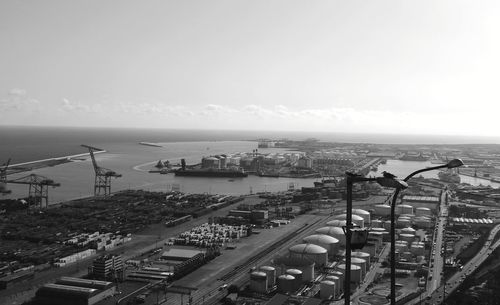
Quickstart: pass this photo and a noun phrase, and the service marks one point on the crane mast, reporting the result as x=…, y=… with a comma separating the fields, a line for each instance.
x=38, y=188
x=102, y=181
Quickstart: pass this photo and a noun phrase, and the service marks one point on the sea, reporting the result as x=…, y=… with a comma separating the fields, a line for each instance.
x=126, y=156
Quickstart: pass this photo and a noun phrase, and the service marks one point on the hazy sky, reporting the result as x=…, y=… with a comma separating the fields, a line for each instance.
x=424, y=67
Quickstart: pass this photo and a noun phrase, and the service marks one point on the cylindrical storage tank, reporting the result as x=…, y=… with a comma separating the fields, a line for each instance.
x=406, y=255
x=401, y=247
x=386, y=236
x=315, y=253
x=355, y=272
x=423, y=222
x=340, y=275
x=303, y=264
x=336, y=223
x=364, y=214
x=377, y=223
x=371, y=248
x=356, y=219
x=405, y=209
x=378, y=230
x=423, y=211
x=382, y=210
x=331, y=244
x=327, y=290
x=407, y=237
x=408, y=230
x=416, y=249
x=297, y=274
x=258, y=282
x=271, y=275
x=286, y=283
x=387, y=225
x=337, y=282
x=377, y=235
x=363, y=255
x=361, y=263
x=403, y=222
x=336, y=232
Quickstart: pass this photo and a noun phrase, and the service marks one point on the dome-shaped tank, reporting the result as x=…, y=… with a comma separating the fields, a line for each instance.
x=336, y=232
x=359, y=262
x=364, y=214
x=404, y=209
x=326, y=290
x=336, y=223
x=423, y=222
x=340, y=275
x=258, y=282
x=271, y=275
x=387, y=225
x=401, y=246
x=403, y=222
x=297, y=274
x=417, y=249
x=331, y=244
x=337, y=282
x=422, y=211
x=363, y=255
x=376, y=223
x=303, y=264
x=407, y=237
x=406, y=256
x=356, y=219
x=315, y=253
x=286, y=283
x=382, y=210
x=355, y=272
x=408, y=230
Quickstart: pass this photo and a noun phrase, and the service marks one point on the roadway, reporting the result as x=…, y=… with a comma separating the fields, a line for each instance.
x=436, y=297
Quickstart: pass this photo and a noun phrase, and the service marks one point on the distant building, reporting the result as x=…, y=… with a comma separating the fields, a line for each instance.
x=431, y=202
x=305, y=162
x=107, y=266
x=74, y=291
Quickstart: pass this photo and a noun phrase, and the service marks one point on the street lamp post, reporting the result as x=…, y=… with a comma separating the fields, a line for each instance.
x=350, y=180
x=451, y=164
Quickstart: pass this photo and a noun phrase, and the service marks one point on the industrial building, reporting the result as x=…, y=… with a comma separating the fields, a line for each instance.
x=74, y=291
x=107, y=266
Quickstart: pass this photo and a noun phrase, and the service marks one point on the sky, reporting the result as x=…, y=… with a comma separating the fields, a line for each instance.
x=415, y=67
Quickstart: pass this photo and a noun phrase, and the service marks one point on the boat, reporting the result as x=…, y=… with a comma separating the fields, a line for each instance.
x=448, y=176
x=209, y=172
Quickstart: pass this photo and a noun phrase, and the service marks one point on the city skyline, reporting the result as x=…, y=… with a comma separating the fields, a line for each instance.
x=382, y=67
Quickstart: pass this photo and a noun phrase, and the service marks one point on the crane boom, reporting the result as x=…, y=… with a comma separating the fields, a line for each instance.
x=102, y=175
x=38, y=188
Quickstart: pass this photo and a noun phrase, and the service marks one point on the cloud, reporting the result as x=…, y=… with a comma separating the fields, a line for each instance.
x=17, y=100
x=213, y=110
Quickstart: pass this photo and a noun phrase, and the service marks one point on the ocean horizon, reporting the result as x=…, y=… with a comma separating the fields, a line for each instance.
x=31, y=143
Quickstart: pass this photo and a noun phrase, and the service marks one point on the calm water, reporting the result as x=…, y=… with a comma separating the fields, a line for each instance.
x=132, y=160
x=403, y=168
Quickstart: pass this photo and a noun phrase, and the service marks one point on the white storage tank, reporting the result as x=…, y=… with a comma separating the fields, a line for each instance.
x=303, y=264
x=407, y=256
x=404, y=209
x=271, y=275
x=337, y=282
x=336, y=232
x=364, y=214
x=423, y=222
x=401, y=246
x=382, y=210
x=336, y=223
x=327, y=290
x=331, y=244
x=363, y=255
x=409, y=230
x=286, y=283
x=422, y=211
x=359, y=262
x=315, y=253
x=387, y=225
x=340, y=275
x=297, y=274
x=377, y=223
x=258, y=282
x=356, y=219
x=403, y=222
x=417, y=249
x=407, y=237
x=355, y=272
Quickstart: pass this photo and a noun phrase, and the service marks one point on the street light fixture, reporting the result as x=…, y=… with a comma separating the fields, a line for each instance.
x=355, y=236
x=451, y=164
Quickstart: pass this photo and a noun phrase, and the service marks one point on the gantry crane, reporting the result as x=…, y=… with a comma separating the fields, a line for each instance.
x=3, y=178
x=102, y=175
x=38, y=188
